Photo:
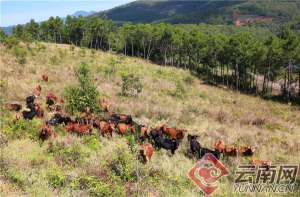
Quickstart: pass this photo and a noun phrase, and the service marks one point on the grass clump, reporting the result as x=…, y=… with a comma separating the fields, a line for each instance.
x=131, y=85
x=95, y=187
x=20, y=54
x=56, y=178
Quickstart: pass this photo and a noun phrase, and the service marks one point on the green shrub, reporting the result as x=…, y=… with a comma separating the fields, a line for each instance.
x=24, y=128
x=123, y=166
x=16, y=177
x=56, y=178
x=131, y=85
x=84, y=95
x=20, y=53
x=11, y=41
x=98, y=188
x=188, y=79
x=40, y=46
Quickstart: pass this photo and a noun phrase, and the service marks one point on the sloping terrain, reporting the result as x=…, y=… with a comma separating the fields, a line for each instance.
x=209, y=11
x=71, y=165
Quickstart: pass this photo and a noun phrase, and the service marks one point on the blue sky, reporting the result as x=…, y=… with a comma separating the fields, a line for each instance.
x=21, y=11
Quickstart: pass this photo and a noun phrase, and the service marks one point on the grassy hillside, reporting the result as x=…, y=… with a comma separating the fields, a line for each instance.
x=92, y=165
x=209, y=11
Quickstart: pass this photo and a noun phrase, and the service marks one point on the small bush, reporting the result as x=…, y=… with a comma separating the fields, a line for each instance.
x=40, y=46
x=16, y=177
x=24, y=128
x=84, y=95
x=98, y=188
x=131, y=85
x=123, y=165
x=189, y=79
x=11, y=41
x=56, y=178
x=54, y=60
x=20, y=53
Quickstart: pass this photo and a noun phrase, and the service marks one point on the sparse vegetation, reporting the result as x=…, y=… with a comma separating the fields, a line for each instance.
x=131, y=85
x=92, y=165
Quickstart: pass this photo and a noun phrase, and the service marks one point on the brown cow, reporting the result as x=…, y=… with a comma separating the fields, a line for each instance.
x=79, y=128
x=45, y=77
x=257, y=162
x=105, y=127
x=37, y=90
x=247, y=150
x=174, y=133
x=122, y=128
x=144, y=132
x=146, y=152
x=46, y=131
x=13, y=106
x=39, y=110
x=220, y=146
x=233, y=150
x=51, y=99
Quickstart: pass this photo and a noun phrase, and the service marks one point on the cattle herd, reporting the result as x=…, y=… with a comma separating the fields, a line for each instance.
x=159, y=137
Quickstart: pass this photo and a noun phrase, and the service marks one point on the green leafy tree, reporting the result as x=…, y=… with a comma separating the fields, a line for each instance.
x=85, y=94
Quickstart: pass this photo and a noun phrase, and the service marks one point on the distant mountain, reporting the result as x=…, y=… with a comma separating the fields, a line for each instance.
x=204, y=11
x=8, y=29
x=83, y=13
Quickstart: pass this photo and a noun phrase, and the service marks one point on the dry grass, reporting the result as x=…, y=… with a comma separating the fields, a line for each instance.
x=210, y=112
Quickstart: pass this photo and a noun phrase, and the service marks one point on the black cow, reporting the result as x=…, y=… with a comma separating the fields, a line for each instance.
x=59, y=119
x=29, y=115
x=121, y=118
x=160, y=141
x=199, y=151
x=30, y=100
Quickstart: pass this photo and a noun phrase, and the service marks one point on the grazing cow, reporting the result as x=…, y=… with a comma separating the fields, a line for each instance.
x=247, y=151
x=257, y=162
x=46, y=131
x=175, y=134
x=232, y=150
x=199, y=151
x=220, y=146
x=121, y=118
x=144, y=132
x=39, y=111
x=29, y=115
x=45, y=77
x=105, y=106
x=59, y=119
x=161, y=142
x=146, y=152
x=51, y=99
x=194, y=144
x=30, y=100
x=122, y=128
x=37, y=90
x=79, y=128
x=105, y=127
x=13, y=106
